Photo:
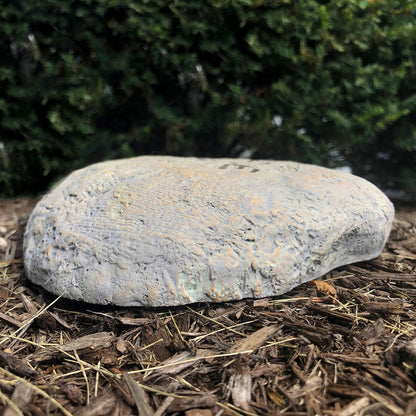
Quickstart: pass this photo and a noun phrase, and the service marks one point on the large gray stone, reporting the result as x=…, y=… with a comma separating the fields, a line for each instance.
x=156, y=231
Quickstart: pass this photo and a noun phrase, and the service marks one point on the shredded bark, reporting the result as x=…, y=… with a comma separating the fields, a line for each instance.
x=343, y=345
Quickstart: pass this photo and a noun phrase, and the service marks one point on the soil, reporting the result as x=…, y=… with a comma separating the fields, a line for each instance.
x=344, y=345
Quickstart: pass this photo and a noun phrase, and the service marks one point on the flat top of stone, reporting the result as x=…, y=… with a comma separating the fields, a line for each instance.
x=159, y=231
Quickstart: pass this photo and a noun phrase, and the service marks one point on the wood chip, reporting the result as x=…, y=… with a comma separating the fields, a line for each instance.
x=22, y=395
x=311, y=384
x=10, y=320
x=206, y=400
x=133, y=321
x=139, y=396
x=183, y=360
x=344, y=390
x=6, y=388
x=354, y=407
x=16, y=365
x=60, y=320
x=162, y=408
x=337, y=315
x=353, y=359
x=383, y=307
x=87, y=342
x=100, y=406
x=198, y=412
x=254, y=340
x=30, y=306
x=240, y=387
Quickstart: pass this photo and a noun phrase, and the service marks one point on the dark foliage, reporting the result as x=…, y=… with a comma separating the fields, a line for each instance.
x=317, y=81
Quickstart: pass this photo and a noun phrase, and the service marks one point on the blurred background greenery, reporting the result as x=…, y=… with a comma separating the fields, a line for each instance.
x=328, y=82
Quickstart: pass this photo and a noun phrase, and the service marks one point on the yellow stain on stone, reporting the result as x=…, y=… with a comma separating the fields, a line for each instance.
x=258, y=289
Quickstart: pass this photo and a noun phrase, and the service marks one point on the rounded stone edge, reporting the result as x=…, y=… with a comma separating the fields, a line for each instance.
x=389, y=216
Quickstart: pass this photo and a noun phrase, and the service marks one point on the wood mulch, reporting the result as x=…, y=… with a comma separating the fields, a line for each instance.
x=342, y=346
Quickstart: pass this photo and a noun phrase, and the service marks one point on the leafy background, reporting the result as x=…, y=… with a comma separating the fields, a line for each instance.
x=327, y=82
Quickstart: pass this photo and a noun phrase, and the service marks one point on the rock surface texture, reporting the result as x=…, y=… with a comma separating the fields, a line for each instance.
x=159, y=231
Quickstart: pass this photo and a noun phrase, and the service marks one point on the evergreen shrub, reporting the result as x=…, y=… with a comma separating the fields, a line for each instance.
x=329, y=82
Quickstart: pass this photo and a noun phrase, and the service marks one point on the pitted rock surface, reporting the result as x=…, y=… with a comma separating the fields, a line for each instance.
x=159, y=231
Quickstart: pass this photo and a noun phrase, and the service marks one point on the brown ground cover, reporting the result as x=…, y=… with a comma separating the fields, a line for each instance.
x=342, y=346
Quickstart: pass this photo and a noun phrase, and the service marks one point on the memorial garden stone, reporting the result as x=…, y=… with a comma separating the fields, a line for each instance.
x=160, y=231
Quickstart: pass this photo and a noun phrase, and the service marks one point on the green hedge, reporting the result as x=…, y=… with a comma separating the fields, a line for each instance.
x=328, y=82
